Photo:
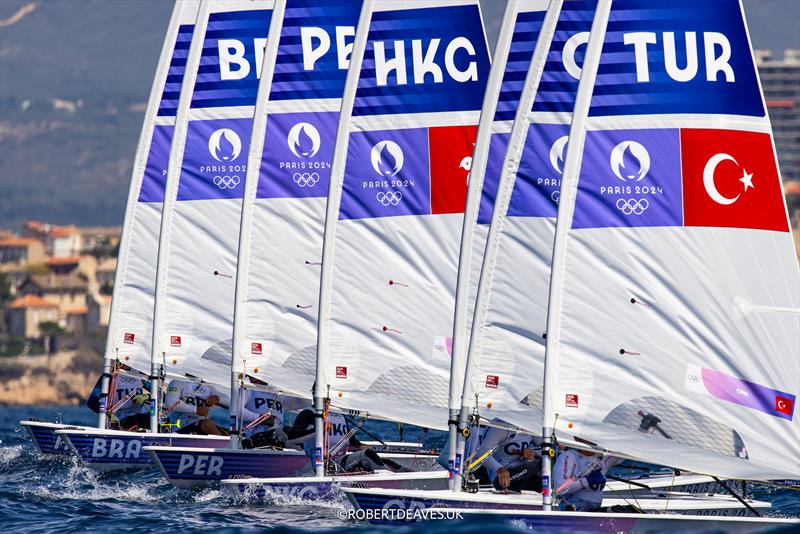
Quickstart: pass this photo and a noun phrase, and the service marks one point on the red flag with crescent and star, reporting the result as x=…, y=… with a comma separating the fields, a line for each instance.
x=730, y=179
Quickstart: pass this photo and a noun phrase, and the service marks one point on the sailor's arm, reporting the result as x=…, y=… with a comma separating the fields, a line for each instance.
x=173, y=400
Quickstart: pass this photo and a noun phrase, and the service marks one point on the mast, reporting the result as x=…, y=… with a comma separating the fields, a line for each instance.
x=238, y=355
x=569, y=185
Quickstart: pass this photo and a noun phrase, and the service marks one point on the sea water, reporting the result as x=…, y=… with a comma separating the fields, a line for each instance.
x=45, y=496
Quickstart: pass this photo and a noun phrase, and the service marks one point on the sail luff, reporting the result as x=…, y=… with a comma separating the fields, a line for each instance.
x=566, y=206
x=462, y=315
x=254, y=154
x=177, y=147
x=321, y=383
x=473, y=243
x=170, y=191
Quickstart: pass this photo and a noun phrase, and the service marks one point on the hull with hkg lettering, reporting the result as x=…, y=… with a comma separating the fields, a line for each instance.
x=113, y=450
x=289, y=490
x=193, y=468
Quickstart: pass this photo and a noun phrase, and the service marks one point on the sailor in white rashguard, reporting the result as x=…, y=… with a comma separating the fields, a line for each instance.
x=191, y=402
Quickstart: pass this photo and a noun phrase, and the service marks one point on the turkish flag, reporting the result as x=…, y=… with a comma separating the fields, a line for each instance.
x=784, y=405
x=730, y=179
x=451, y=150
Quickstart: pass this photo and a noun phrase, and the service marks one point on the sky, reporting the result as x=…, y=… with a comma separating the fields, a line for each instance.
x=774, y=24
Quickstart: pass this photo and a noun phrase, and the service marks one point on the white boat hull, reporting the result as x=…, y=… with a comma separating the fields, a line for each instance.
x=287, y=490
x=673, y=503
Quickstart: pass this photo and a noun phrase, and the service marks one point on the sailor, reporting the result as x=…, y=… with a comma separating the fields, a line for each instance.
x=128, y=405
x=347, y=452
x=514, y=462
x=579, y=478
x=191, y=402
x=262, y=414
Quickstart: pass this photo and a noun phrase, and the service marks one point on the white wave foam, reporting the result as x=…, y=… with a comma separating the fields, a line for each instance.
x=81, y=483
x=9, y=455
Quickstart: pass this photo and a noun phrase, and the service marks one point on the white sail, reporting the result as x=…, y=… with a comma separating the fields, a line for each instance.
x=294, y=132
x=193, y=314
x=506, y=360
x=130, y=323
x=519, y=31
x=395, y=208
x=674, y=322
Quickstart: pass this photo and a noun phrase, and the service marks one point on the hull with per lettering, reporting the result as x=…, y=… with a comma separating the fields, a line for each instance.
x=194, y=468
x=114, y=450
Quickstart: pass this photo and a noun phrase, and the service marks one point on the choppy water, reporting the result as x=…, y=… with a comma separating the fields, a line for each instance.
x=59, y=496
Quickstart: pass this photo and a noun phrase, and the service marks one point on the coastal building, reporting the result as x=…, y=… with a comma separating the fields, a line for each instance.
x=99, y=310
x=104, y=273
x=59, y=241
x=21, y=250
x=67, y=292
x=780, y=79
x=99, y=240
x=25, y=314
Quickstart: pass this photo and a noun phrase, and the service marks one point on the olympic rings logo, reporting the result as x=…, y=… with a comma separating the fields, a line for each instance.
x=392, y=198
x=305, y=179
x=226, y=182
x=632, y=206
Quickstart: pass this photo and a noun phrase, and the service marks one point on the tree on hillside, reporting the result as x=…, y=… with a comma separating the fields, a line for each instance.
x=5, y=290
x=51, y=328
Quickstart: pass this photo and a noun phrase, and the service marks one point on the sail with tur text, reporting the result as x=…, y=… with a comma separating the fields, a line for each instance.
x=674, y=321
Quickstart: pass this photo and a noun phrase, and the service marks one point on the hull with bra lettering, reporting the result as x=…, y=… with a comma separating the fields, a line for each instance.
x=114, y=450
x=44, y=438
x=194, y=468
